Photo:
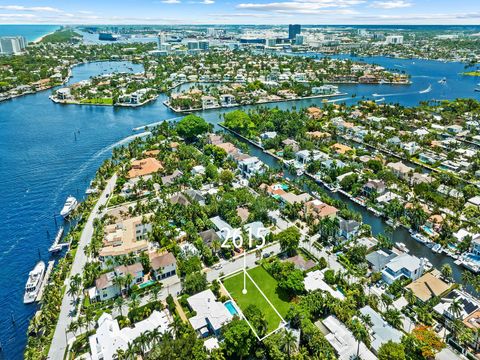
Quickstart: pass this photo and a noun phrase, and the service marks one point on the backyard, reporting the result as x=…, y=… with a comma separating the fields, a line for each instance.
x=268, y=285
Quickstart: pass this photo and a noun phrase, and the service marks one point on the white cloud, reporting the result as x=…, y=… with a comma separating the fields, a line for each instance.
x=395, y=4
x=300, y=6
x=171, y=1
x=30, y=8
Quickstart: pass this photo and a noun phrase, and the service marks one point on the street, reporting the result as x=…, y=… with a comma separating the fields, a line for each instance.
x=59, y=341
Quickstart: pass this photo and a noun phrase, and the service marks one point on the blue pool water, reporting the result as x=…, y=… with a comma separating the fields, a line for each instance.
x=474, y=258
x=428, y=230
x=231, y=308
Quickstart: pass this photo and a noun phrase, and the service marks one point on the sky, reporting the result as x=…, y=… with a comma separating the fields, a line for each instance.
x=406, y=12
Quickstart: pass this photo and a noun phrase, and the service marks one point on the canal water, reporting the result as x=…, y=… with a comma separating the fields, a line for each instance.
x=49, y=151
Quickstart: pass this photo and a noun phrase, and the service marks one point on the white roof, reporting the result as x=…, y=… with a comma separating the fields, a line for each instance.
x=211, y=343
x=109, y=338
x=382, y=332
x=475, y=200
x=404, y=261
x=314, y=281
x=209, y=311
x=343, y=341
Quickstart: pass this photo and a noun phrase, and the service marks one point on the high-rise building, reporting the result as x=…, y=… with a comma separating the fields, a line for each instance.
x=394, y=39
x=294, y=30
x=271, y=42
x=299, y=39
x=192, y=45
x=203, y=45
x=211, y=32
x=12, y=45
x=161, y=40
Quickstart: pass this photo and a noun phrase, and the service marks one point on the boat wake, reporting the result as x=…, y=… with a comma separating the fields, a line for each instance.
x=155, y=123
x=335, y=100
x=427, y=90
x=379, y=100
x=99, y=153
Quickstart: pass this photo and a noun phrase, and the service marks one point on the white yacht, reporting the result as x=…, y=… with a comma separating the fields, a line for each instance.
x=401, y=246
x=69, y=206
x=34, y=282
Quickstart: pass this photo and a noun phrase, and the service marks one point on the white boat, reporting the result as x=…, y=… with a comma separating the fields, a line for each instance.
x=442, y=81
x=437, y=248
x=420, y=238
x=401, y=246
x=34, y=283
x=69, y=206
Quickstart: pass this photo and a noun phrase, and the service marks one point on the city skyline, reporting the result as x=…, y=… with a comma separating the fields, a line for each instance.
x=328, y=12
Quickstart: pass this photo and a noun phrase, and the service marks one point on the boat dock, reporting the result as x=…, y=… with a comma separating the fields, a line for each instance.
x=45, y=280
x=57, y=245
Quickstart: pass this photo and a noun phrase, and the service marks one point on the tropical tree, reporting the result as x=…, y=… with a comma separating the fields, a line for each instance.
x=360, y=333
x=289, y=343
x=446, y=271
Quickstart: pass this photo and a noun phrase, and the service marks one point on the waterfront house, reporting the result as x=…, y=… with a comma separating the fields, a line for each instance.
x=125, y=237
x=428, y=286
x=341, y=149
x=144, y=167
x=400, y=170
x=468, y=305
x=410, y=148
x=381, y=332
x=343, y=341
x=348, y=228
x=268, y=135
x=109, y=338
x=403, y=266
x=163, y=265
x=210, y=314
x=292, y=143
x=106, y=287
x=227, y=99
x=306, y=156
x=251, y=166
x=418, y=178
x=209, y=102
x=376, y=187
x=377, y=260
x=319, y=210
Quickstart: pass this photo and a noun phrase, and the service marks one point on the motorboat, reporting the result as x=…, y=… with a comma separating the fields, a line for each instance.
x=69, y=206
x=34, y=283
x=437, y=248
x=401, y=246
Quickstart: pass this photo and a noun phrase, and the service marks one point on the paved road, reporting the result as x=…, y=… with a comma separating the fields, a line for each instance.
x=237, y=263
x=59, y=341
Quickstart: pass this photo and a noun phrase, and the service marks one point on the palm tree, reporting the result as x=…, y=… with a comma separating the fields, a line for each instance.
x=134, y=302
x=289, y=342
x=446, y=271
x=455, y=308
x=72, y=327
x=119, y=302
x=216, y=246
x=176, y=326
x=360, y=333
x=410, y=297
x=394, y=317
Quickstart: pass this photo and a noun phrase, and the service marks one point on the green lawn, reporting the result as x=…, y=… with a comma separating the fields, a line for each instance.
x=268, y=284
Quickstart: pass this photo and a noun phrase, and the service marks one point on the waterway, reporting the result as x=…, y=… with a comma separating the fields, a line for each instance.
x=48, y=151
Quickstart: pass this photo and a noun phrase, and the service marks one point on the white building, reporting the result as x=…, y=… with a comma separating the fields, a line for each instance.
x=394, y=39
x=12, y=45
x=108, y=339
x=251, y=166
x=210, y=316
x=403, y=266
x=343, y=341
x=314, y=281
x=381, y=332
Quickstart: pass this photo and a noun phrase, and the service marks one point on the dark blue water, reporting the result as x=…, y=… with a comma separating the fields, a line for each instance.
x=41, y=164
x=30, y=32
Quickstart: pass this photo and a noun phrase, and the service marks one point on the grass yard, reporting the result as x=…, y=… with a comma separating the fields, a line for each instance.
x=268, y=284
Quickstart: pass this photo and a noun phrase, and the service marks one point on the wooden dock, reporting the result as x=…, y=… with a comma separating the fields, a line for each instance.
x=45, y=279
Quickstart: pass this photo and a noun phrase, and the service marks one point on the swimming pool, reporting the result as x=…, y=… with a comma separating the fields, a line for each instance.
x=428, y=230
x=230, y=307
x=473, y=258
x=146, y=283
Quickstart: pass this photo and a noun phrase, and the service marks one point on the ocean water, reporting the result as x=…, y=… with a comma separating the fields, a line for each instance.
x=49, y=151
x=30, y=32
